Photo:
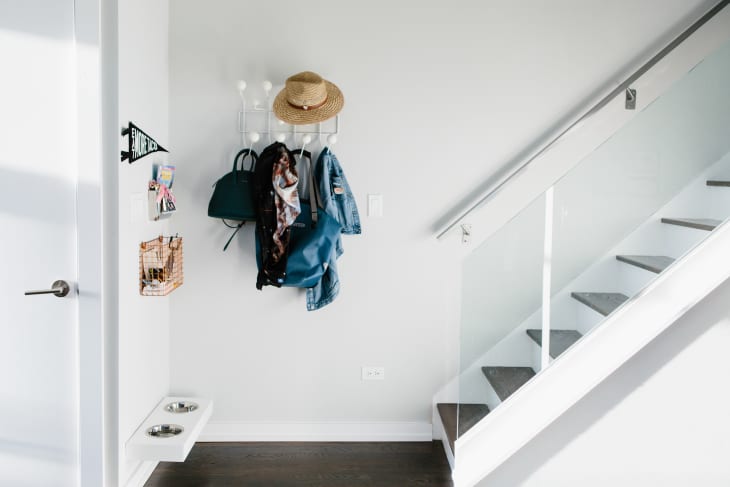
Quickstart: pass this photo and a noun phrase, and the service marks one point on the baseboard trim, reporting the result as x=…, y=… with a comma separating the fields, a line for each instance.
x=142, y=474
x=316, y=431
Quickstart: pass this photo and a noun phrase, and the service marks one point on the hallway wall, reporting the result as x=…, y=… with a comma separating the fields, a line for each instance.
x=144, y=333
x=438, y=97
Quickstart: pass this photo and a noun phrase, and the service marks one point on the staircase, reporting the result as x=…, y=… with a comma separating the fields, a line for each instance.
x=630, y=235
x=593, y=304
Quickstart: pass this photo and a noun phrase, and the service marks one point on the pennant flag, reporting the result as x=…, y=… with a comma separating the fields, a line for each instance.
x=140, y=144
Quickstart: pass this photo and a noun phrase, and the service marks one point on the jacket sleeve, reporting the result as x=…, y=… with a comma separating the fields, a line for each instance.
x=337, y=198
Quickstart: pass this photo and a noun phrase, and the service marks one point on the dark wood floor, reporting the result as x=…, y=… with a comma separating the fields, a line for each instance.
x=307, y=464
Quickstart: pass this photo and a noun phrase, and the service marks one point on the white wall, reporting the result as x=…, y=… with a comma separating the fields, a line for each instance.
x=661, y=419
x=144, y=335
x=438, y=97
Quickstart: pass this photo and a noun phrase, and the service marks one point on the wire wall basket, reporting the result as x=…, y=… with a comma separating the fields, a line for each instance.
x=160, y=266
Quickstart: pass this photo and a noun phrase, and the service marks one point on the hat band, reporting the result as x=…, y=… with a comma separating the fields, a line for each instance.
x=308, y=107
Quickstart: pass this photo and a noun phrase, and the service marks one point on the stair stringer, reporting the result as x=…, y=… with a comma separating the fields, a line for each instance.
x=591, y=360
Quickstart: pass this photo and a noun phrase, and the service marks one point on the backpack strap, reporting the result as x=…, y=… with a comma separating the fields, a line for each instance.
x=237, y=227
x=313, y=196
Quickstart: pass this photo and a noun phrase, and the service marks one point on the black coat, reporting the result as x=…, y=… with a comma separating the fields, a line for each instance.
x=272, y=270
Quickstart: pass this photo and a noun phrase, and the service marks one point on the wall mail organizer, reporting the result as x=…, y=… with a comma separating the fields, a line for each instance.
x=160, y=266
x=139, y=144
x=160, y=200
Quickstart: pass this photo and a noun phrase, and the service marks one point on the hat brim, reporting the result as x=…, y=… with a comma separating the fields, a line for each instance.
x=298, y=116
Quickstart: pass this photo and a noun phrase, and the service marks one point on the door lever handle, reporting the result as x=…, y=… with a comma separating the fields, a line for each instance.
x=58, y=288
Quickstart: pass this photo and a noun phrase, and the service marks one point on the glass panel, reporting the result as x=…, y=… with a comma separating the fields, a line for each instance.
x=501, y=289
x=609, y=239
x=622, y=215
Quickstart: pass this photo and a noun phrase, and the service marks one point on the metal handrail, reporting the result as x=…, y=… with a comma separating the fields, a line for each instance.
x=621, y=88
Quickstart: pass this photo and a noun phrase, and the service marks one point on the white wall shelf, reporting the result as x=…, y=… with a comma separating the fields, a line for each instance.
x=142, y=446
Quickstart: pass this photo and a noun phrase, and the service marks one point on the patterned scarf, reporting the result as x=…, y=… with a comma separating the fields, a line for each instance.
x=286, y=199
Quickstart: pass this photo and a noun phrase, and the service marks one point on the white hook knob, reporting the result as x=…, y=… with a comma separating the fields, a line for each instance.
x=267, y=87
x=280, y=137
x=254, y=137
x=332, y=139
x=306, y=139
x=241, y=85
x=281, y=122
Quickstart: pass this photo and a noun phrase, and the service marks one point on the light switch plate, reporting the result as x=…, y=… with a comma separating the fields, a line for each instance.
x=137, y=208
x=375, y=205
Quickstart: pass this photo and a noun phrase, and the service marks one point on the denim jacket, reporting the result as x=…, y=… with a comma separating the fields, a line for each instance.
x=339, y=202
x=337, y=198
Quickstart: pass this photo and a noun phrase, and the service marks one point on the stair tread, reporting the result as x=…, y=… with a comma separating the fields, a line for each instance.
x=708, y=224
x=560, y=340
x=465, y=415
x=604, y=303
x=506, y=380
x=718, y=182
x=653, y=263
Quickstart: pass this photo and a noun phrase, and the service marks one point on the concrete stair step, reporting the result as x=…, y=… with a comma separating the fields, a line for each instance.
x=653, y=263
x=604, y=303
x=708, y=224
x=463, y=415
x=718, y=182
x=560, y=340
x=506, y=380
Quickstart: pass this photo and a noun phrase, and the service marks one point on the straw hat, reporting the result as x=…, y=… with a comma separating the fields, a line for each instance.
x=307, y=98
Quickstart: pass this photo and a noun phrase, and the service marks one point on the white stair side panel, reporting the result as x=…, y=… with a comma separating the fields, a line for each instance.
x=493, y=399
x=537, y=356
x=719, y=199
x=592, y=359
x=473, y=387
x=439, y=433
x=587, y=318
x=514, y=350
x=719, y=196
x=633, y=279
x=677, y=239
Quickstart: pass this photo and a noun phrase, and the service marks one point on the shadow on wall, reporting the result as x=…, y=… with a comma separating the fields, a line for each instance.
x=612, y=392
x=35, y=196
x=38, y=17
x=12, y=449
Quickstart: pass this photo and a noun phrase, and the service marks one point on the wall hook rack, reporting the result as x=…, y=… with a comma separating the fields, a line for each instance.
x=256, y=122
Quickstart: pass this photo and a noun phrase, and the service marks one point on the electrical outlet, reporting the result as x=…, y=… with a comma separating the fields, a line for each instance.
x=373, y=373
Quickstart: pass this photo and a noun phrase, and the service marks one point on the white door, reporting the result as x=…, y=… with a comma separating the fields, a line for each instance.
x=39, y=373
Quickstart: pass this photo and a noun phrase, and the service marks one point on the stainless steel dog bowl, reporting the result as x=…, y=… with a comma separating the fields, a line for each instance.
x=181, y=407
x=165, y=430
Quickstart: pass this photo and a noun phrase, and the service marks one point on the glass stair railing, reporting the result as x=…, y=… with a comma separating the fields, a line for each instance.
x=593, y=241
